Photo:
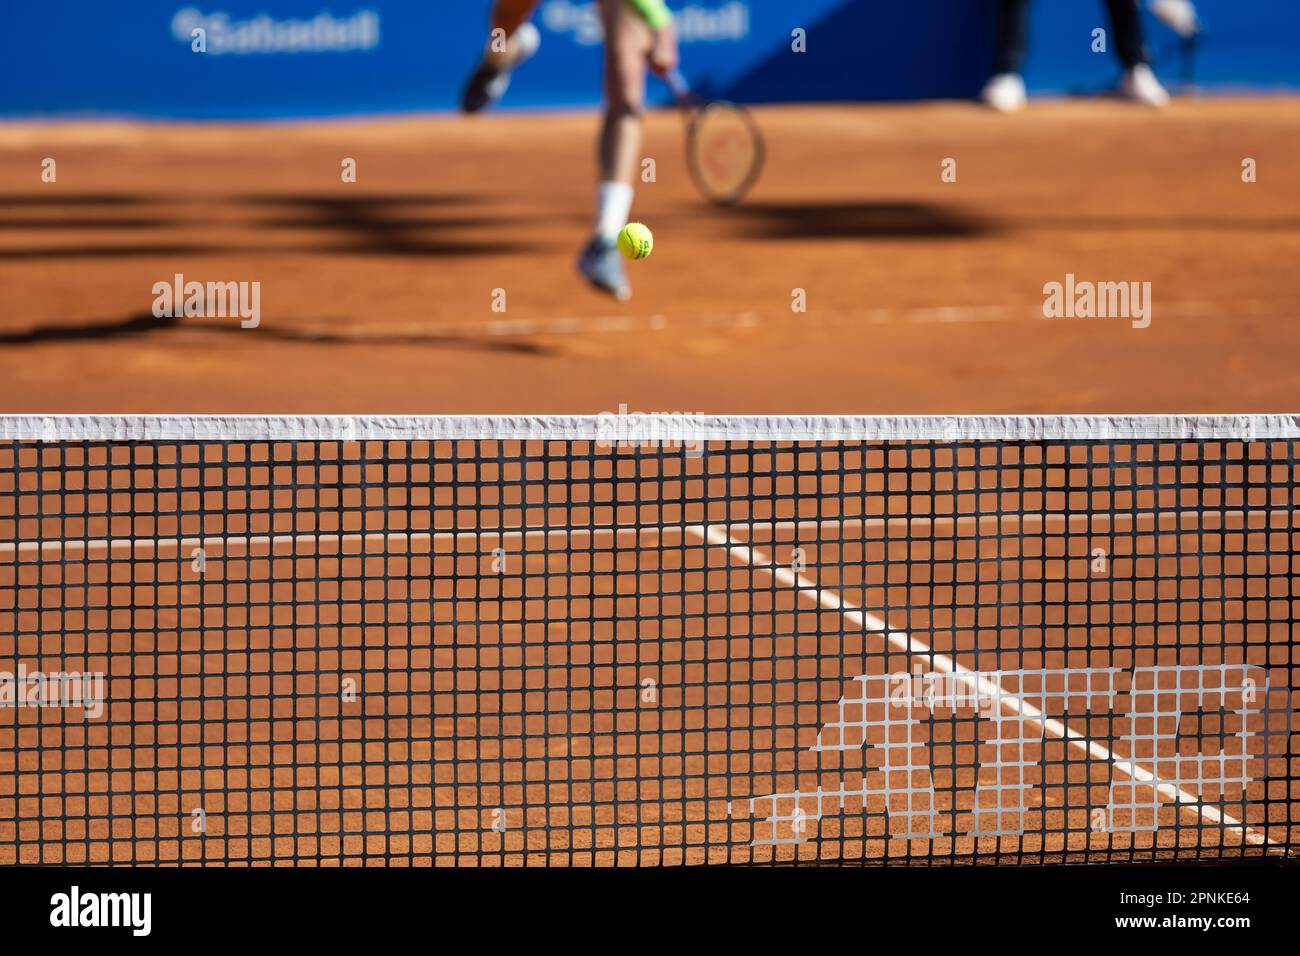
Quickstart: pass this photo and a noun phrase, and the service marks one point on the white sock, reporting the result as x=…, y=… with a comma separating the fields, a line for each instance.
x=613, y=206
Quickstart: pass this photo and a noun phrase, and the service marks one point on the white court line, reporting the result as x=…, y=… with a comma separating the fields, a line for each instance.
x=1018, y=521
x=1017, y=705
x=710, y=321
x=379, y=333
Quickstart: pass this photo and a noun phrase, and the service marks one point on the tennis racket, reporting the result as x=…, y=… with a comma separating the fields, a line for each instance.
x=724, y=146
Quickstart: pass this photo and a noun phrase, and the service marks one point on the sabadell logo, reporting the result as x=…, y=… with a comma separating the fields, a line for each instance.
x=217, y=34
x=728, y=23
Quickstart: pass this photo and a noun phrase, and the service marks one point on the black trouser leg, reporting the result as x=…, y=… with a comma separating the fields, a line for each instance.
x=1126, y=25
x=1013, y=32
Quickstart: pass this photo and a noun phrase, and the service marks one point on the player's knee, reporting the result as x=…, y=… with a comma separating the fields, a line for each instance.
x=623, y=108
x=625, y=85
x=621, y=101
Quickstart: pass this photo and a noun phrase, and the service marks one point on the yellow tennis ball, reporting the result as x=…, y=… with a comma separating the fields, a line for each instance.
x=635, y=241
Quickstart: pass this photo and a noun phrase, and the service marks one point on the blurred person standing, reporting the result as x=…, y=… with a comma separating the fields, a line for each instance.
x=1005, y=90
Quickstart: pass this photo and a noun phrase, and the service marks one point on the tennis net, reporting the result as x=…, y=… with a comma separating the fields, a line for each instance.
x=647, y=640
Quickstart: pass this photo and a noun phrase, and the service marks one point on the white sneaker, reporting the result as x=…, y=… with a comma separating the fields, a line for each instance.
x=490, y=81
x=527, y=41
x=1005, y=93
x=1140, y=85
x=1178, y=15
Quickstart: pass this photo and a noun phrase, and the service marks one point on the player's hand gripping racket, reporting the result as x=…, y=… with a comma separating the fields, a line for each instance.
x=724, y=146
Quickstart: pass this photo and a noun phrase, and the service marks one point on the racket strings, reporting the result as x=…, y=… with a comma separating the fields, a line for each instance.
x=726, y=152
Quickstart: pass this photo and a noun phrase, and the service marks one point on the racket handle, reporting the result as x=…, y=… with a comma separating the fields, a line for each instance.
x=677, y=83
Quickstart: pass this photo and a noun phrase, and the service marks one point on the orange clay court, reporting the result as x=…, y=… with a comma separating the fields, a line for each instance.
x=922, y=297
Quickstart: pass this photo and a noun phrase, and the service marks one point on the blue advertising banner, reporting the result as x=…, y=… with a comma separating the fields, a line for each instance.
x=279, y=58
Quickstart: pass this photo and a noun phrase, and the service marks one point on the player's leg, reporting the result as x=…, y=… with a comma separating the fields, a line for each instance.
x=1139, y=82
x=628, y=42
x=1005, y=90
x=513, y=39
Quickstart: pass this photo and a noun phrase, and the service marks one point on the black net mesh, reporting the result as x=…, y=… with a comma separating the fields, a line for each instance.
x=510, y=652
